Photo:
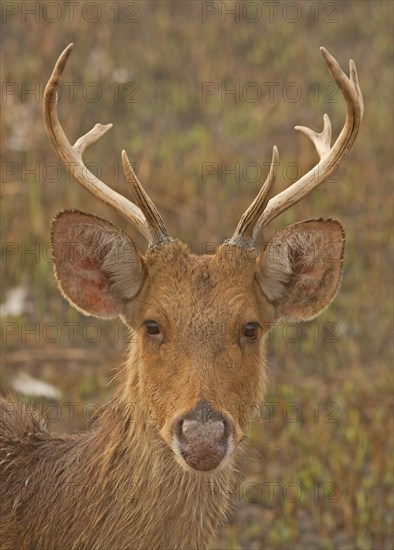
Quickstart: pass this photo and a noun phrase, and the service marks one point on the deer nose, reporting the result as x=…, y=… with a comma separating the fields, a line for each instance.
x=203, y=436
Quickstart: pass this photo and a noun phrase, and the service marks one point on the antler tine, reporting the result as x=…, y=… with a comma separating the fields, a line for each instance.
x=243, y=235
x=322, y=141
x=152, y=215
x=71, y=156
x=330, y=157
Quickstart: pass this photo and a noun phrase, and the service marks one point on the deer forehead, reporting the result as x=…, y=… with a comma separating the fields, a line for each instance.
x=202, y=287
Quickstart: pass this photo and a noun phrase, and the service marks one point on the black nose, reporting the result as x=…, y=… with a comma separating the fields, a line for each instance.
x=203, y=436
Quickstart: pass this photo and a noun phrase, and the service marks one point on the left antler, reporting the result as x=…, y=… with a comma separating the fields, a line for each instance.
x=262, y=210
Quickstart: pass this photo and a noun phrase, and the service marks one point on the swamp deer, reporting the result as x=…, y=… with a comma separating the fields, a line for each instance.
x=158, y=469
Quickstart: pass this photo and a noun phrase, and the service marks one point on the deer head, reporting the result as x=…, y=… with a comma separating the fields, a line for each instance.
x=201, y=320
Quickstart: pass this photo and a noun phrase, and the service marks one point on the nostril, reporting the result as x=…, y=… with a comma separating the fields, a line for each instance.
x=226, y=427
x=179, y=429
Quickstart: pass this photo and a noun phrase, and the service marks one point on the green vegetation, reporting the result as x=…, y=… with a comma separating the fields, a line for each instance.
x=319, y=468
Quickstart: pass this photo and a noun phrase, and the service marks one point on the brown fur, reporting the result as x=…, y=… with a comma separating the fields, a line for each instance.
x=123, y=485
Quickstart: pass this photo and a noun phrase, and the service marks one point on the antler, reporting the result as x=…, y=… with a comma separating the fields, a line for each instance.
x=262, y=211
x=146, y=218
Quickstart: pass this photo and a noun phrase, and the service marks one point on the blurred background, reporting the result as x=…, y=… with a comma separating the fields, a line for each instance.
x=199, y=92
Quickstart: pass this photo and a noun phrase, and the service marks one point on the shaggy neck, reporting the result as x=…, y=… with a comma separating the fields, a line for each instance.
x=172, y=507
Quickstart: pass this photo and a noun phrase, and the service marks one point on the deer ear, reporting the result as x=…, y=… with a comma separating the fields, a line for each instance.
x=97, y=266
x=300, y=270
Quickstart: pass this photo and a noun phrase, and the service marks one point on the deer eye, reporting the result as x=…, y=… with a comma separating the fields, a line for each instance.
x=152, y=328
x=251, y=331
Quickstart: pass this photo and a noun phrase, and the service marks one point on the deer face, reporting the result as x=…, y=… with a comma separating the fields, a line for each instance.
x=201, y=338
x=200, y=321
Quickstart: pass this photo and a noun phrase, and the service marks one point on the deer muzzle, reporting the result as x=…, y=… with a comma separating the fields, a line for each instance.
x=203, y=436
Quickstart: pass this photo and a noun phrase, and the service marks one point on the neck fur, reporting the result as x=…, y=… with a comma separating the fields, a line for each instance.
x=158, y=504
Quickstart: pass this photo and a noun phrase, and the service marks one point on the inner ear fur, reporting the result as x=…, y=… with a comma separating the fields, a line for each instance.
x=300, y=270
x=97, y=266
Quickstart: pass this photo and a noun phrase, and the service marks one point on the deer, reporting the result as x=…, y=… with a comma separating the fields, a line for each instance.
x=159, y=467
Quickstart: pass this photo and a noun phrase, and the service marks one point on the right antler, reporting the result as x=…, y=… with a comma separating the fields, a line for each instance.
x=262, y=211
x=146, y=218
